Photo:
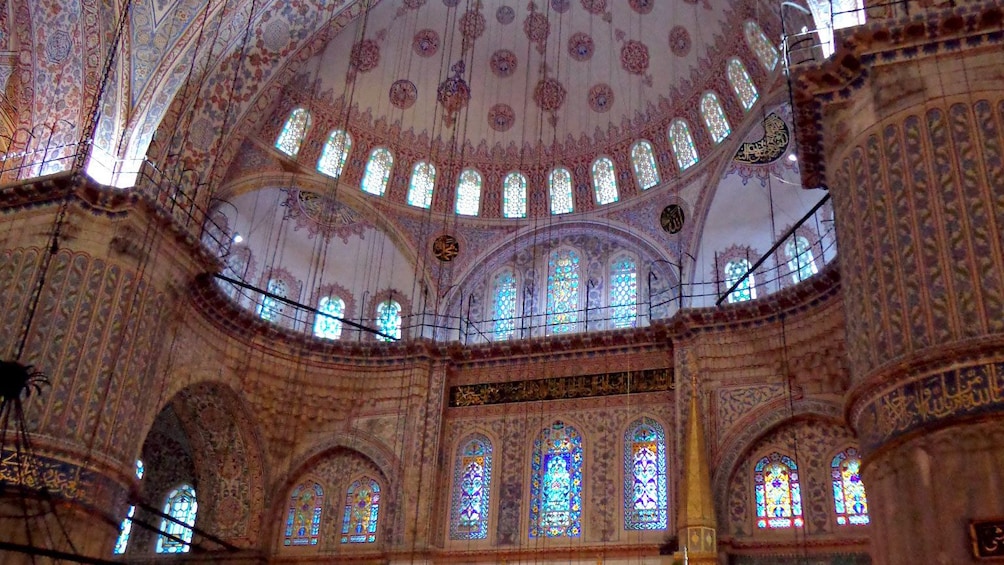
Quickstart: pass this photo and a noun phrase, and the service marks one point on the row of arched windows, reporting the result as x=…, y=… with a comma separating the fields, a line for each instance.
x=514, y=186
x=176, y=534
x=801, y=265
x=778, y=492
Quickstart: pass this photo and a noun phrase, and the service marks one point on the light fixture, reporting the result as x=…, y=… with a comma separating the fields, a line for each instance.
x=238, y=238
x=792, y=157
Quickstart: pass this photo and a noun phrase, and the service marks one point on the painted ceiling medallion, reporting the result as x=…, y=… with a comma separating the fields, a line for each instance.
x=453, y=93
x=561, y=6
x=446, y=248
x=414, y=4
x=501, y=117
x=580, y=46
x=595, y=6
x=672, y=218
x=505, y=15
x=403, y=94
x=365, y=57
x=549, y=96
x=426, y=43
x=601, y=98
x=679, y=41
x=503, y=63
x=642, y=6
x=472, y=24
x=537, y=27
x=634, y=57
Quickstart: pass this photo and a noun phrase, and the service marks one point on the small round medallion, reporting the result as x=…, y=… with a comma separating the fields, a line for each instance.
x=446, y=248
x=672, y=218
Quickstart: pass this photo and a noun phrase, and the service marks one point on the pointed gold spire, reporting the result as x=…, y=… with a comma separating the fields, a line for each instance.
x=696, y=520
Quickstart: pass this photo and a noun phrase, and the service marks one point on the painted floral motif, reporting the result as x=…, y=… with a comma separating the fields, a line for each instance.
x=414, y=4
x=601, y=98
x=472, y=25
x=549, y=94
x=505, y=15
x=537, y=28
x=580, y=46
x=561, y=6
x=503, y=63
x=403, y=94
x=595, y=6
x=642, y=6
x=426, y=43
x=634, y=57
x=679, y=41
x=501, y=117
x=365, y=57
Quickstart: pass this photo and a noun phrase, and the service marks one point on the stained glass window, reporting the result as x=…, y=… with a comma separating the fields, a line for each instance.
x=758, y=42
x=801, y=263
x=303, y=522
x=423, y=181
x=514, y=196
x=646, y=503
x=293, y=132
x=504, y=311
x=778, y=495
x=388, y=320
x=563, y=291
x=741, y=83
x=271, y=308
x=682, y=144
x=362, y=511
x=140, y=469
x=335, y=152
x=734, y=271
x=849, y=499
x=327, y=323
x=645, y=169
x=378, y=171
x=472, y=477
x=182, y=506
x=469, y=193
x=714, y=117
x=556, y=487
x=623, y=293
x=604, y=181
x=124, y=530
x=560, y=184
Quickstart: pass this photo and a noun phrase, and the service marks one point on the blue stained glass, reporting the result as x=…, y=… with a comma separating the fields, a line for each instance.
x=335, y=152
x=604, y=181
x=623, y=293
x=741, y=83
x=560, y=184
x=556, y=487
x=646, y=502
x=714, y=117
x=388, y=320
x=327, y=323
x=778, y=495
x=378, y=171
x=271, y=308
x=303, y=522
x=293, y=132
x=645, y=169
x=469, y=193
x=423, y=181
x=362, y=512
x=758, y=42
x=504, y=305
x=801, y=263
x=124, y=530
x=472, y=487
x=682, y=144
x=514, y=196
x=140, y=469
x=182, y=506
x=563, y=291
x=734, y=270
x=849, y=500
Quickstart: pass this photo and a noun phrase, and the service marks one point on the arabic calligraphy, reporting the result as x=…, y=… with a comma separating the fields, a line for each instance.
x=987, y=537
x=606, y=384
x=768, y=148
x=963, y=391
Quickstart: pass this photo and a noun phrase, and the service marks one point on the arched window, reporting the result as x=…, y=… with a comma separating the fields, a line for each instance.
x=388, y=320
x=362, y=512
x=741, y=83
x=682, y=144
x=504, y=301
x=604, y=181
x=303, y=522
x=563, y=291
x=778, y=495
x=327, y=323
x=182, y=506
x=293, y=132
x=126, y=528
x=423, y=181
x=646, y=503
x=623, y=293
x=761, y=46
x=645, y=170
x=849, y=500
x=472, y=475
x=378, y=171
x=801, y=263
x=335, y=152
x=714, y=117
x=560, y=188
x=514, y=196
x=556, y=487
x=469, y=193
x=271, y=308
x=734, y=271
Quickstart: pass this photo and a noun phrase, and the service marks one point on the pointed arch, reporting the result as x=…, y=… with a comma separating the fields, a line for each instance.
x=559, y=188
x=181, y=505
x=303, y=521
x=801, y=263
x=472, y=475
x=849, y=501
x=623, y=296
x=335, y=153
x=604, y=181
x=469, y=193
x=556, y=484
x=377, y=172
x=761, y=46
x=682, y=144
x=293, y=132
x=422, y=184
x=327, y=323
x=514, y=195
x=563, y=291
x=714, y=117
x=503, y=302
x=646, y=172
x=777, y=492
x=646, y=497
x=362, y=511
x=742, y=84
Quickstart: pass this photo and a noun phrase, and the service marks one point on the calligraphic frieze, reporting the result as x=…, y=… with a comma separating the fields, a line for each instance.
x=987, y=537
x=768, y=148
x=59, y=478
x=965, y=391
x=558, y=388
